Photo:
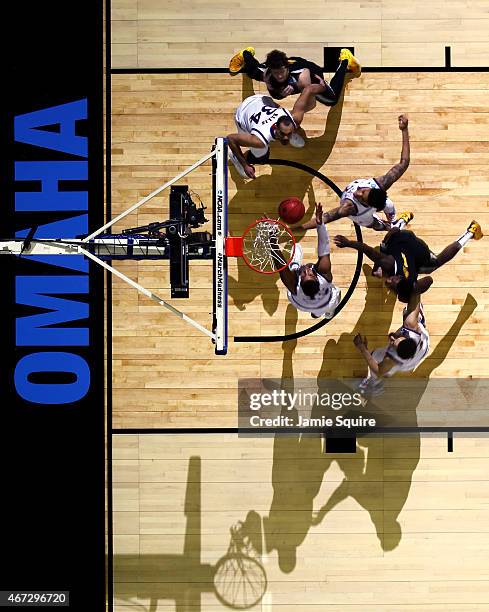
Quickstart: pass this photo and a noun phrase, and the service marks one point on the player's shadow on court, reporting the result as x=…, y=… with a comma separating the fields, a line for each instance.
x=379, y=479
x=299, y=461
x=378, y=476
x=261, y=196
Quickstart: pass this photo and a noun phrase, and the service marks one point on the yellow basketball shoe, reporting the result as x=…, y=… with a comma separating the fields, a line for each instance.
x=406, y=216
x=476, y=230
x=237, y=61
x=353, y=64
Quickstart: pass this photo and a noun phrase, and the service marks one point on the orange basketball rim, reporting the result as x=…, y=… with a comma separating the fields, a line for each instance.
x=267, y=246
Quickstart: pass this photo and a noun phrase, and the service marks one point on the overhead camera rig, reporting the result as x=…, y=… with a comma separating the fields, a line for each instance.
x=173, y=239
x=175, y=235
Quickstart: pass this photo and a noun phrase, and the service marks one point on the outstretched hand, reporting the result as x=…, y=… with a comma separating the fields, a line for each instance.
x=341, y=241
x=403, y=122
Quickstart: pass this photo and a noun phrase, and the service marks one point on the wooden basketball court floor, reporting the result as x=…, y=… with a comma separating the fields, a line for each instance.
x=399, y=525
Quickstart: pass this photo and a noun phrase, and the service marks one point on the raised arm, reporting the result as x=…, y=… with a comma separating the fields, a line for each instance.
x=378, y=368
x=412, y=314
x=306, y=102
x=324, y=261
x=399, y=169
x=346, y=207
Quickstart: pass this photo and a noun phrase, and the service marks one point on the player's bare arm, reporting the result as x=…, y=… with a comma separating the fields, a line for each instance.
x=236, y=141
x=343, y=242
x=305, y=79
x=422, y=285
x=395, y=173
x=306, y=102
x=385, y=366
x=288, y=277
x=411, y=320
x=379, y=369
x=346, y=208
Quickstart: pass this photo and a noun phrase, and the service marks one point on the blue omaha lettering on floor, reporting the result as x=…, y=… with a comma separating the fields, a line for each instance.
x=40, y=291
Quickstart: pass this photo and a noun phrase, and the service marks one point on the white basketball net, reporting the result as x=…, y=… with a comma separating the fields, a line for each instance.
x=268, y=246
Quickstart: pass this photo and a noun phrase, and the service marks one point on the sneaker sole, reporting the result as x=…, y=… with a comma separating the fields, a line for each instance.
x=238, y=56
x=354, y=67
x=477, y=233
x=241, y=57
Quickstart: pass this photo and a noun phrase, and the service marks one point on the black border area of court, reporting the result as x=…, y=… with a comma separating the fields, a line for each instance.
x=353, y=283
x=221, y=430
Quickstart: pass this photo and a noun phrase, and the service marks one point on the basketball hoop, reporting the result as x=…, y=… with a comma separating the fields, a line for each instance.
x=267, y=246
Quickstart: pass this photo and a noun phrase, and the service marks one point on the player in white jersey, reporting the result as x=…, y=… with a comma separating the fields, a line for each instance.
x=363, y=199
x=260, y=121
x=310, y=287
x=407, y=348
x=257, y=115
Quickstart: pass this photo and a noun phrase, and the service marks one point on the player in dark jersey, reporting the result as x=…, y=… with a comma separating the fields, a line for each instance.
x=285, y=76
x=403, y=256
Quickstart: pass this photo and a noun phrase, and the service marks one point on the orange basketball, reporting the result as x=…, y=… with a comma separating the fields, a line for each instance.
x=291, y=210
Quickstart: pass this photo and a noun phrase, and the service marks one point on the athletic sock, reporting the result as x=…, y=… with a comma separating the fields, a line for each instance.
x=400, y=223
x=338, y=79
x=465, y=237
